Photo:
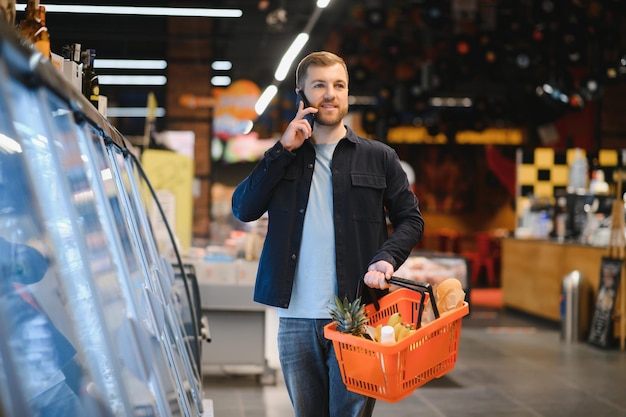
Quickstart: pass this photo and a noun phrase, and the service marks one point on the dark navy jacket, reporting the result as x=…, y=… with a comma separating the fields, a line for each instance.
x=367, y=179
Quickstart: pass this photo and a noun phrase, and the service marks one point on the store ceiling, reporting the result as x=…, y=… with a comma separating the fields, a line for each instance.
x=399, y=51
x=254, y=43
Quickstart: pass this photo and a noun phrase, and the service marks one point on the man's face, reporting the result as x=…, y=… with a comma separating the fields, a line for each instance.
x=326, y=88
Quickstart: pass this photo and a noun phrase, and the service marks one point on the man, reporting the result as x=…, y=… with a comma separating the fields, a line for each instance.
x=325, y=191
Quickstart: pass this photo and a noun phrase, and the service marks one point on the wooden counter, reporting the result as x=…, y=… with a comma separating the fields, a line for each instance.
x=533, y=270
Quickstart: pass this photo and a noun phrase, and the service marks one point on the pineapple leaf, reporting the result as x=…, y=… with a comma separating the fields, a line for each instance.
x=349, y=316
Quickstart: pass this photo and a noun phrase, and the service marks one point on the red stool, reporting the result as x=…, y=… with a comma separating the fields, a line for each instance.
x=485, y=256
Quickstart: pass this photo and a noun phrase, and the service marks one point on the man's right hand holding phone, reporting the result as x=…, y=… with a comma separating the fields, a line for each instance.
x=299, y=129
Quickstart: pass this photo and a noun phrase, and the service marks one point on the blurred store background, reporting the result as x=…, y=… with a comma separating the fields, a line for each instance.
x=464, y=90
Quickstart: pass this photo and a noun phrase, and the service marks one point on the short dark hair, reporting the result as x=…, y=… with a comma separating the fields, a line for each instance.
x=321, y=59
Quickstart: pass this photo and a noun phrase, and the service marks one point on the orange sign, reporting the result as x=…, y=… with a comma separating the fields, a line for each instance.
x=234, y=108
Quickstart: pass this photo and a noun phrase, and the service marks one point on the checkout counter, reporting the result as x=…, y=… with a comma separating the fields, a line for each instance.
x=533, y=271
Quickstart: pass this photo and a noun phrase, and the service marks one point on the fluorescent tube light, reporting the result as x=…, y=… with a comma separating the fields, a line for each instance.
x=220, y=80
x=132, y=80
x=290, y=55
x=221, y=65
x=151, y=64
x=133, y=112
x=134, y=10
x=450, y=102
x=265, y=99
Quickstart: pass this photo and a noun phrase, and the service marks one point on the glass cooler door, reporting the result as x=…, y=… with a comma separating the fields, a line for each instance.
x=93, y=321
x=159, y=280
x=178, y=292
x=159, y=370
x=184, y=291
x=58, y=347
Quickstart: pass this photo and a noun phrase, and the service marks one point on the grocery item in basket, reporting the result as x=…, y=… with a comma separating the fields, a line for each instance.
x=349, y=316
x=449, y=295
x=396, y=330
x=387, y=335
x=391, y=372
x=429, y=314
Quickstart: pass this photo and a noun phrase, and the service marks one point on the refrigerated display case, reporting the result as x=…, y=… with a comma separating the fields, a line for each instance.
x=94, y=320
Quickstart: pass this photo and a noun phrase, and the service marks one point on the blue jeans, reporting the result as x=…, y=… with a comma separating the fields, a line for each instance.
x=312, y=373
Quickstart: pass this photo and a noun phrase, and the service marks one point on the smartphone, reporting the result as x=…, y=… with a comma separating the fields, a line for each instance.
x=309, y=117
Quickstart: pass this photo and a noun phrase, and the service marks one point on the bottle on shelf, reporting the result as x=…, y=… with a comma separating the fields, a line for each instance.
x=91, y=88
x=7, y=12
x=42, y=17
x=72, y=52
x=33, y=28
x=560, y=218
x=598, y=184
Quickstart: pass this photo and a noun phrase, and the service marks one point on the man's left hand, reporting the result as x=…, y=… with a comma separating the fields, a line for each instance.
x=377, y=275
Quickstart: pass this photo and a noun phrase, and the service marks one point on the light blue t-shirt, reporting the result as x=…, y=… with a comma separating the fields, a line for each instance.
x=316, y=277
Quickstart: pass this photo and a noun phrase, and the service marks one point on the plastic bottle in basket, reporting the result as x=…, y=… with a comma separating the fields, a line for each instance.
x=387, y=335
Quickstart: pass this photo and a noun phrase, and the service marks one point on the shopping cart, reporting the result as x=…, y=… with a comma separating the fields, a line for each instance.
x=391, y=372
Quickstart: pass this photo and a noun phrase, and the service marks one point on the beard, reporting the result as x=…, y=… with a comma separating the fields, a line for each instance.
x=325, y=120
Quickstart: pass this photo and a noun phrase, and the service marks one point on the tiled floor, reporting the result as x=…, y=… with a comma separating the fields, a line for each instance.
x=508, y=366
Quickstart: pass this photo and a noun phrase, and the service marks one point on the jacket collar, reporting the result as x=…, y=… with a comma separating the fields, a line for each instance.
x=351, y=135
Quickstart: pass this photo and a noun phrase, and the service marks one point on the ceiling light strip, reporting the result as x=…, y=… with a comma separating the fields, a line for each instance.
x=151, y=64
x=221, y=65
x=290, y=55
x=265, y=99
x=288, y=58
x=220, y=80
x=132, y=80
x=139, y=11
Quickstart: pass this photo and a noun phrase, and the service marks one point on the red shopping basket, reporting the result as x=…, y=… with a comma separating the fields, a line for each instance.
x=392, y=372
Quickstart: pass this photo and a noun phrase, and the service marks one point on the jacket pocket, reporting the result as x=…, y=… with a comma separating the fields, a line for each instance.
x=367, y=196
x=368, y=180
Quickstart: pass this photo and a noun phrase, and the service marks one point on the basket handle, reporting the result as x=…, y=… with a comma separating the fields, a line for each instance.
x=421, y=287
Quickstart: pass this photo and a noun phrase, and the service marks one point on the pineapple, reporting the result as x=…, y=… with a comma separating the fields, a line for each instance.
x=350, y=317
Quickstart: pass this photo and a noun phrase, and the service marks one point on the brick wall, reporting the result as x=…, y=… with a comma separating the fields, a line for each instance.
x=189, y=56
